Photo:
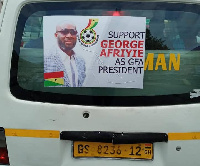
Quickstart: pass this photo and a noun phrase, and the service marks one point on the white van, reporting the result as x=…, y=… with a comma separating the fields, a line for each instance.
x=132, y=98
x=1, y=3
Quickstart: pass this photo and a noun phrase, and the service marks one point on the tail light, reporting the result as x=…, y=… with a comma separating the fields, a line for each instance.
x=4, y=159
x=117, y=12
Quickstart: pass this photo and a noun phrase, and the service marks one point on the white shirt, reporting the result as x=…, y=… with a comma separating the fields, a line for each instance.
x=66, y=59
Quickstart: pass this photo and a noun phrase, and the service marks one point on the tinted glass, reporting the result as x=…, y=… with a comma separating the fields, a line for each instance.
x=172, y=63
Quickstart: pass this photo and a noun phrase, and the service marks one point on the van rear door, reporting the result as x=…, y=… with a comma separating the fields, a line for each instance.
x=101, y=121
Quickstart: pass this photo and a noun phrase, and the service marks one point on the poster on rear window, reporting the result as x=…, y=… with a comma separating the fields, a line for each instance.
x=94, y=51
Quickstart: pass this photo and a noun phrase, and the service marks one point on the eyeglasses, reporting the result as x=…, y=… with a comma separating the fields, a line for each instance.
x=67, y=31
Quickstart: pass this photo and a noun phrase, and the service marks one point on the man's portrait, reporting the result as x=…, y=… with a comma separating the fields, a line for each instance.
x=62, y=57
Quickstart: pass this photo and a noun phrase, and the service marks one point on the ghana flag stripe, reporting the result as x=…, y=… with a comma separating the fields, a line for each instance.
x=56, y=80
x=50, y=83
x=54, y=75
x=89, y=23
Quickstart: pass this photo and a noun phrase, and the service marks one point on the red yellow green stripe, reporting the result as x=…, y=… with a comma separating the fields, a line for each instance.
x=89, y=23
x=54, y=79
x=92, y=23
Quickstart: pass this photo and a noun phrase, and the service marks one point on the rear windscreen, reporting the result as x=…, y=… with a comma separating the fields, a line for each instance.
x=107, y=53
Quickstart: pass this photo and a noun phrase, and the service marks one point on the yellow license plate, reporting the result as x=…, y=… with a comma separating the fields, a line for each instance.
x=109, y=150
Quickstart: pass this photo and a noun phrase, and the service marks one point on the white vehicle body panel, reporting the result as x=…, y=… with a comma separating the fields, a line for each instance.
x=30, y=151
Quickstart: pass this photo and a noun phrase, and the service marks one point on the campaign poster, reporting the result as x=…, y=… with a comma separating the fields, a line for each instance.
x=94, y=51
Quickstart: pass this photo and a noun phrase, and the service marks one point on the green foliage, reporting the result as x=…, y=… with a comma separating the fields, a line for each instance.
x=153, y=43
